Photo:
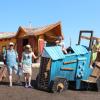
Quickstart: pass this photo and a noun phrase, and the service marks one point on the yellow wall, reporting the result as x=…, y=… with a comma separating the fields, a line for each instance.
x=5, y=42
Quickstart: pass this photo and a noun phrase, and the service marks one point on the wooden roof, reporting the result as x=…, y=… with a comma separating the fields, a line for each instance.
x=6, y=35
x=56, y=28
x=26, y=31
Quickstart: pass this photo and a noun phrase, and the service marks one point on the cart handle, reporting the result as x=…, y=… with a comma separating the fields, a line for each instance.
x=85, y=37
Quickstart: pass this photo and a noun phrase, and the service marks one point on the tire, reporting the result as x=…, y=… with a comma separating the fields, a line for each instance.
x=98, y=85
x=37, y=82
x=60, y=85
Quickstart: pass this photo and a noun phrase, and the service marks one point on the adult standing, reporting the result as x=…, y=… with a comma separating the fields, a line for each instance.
x=27, y=56
x=11, y=60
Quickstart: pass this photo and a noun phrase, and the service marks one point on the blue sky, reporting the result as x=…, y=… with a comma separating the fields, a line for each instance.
x=74, y=15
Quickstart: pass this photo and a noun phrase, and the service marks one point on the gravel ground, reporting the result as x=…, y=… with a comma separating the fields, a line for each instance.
x=21, y=93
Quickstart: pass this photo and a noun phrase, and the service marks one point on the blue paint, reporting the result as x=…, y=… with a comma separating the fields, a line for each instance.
x=80, y=66
x=54, y=52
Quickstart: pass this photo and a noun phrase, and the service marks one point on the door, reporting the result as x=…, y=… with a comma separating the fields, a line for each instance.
x=25, y=42
x=19, y=48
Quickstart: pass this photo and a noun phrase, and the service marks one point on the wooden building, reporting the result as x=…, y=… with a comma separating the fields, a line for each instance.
x=5, y=38
x=36, y=37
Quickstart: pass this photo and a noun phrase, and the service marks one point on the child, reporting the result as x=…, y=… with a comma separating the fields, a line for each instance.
x=27, y=65
x=96, y=49
x=60, y=42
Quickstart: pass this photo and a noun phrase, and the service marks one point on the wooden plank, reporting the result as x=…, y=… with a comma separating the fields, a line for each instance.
x=95, y=74
x=48, y=65
x=67, y=69
x=88, y=38
x=92, y=79
x=74, y=61
x=85, y=37
x=3, y=72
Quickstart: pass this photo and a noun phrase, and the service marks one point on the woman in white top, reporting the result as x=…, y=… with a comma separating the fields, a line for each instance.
x=27, y=65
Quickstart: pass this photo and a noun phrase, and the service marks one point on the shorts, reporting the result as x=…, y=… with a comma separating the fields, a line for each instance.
x=27, y=69
x=11, y=68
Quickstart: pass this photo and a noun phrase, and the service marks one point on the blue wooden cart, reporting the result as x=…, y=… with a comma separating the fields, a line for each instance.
x=57, y=69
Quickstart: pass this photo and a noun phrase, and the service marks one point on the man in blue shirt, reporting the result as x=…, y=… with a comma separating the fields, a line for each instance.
x=11, y=57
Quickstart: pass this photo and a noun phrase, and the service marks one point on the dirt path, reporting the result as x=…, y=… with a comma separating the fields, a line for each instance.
x=21, y=93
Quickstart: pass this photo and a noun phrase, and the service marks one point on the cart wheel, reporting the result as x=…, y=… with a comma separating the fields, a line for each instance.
x=37, y=82
x=60, y=85
x=98, y=85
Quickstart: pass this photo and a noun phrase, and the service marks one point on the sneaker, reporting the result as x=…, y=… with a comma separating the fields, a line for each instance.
x=10, y=85
x=26, y=86
x=30, y=86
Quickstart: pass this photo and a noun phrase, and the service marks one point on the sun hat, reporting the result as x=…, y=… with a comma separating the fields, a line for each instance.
x=28, y=47
x=11, y=43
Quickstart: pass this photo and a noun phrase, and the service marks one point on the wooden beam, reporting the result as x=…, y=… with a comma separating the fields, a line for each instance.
x=51, y=36
x=74, y=61
x=67, y=69
x=88, y=38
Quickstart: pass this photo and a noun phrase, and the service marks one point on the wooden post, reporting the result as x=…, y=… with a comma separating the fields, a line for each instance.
x=40, y=44
x=19, y=48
